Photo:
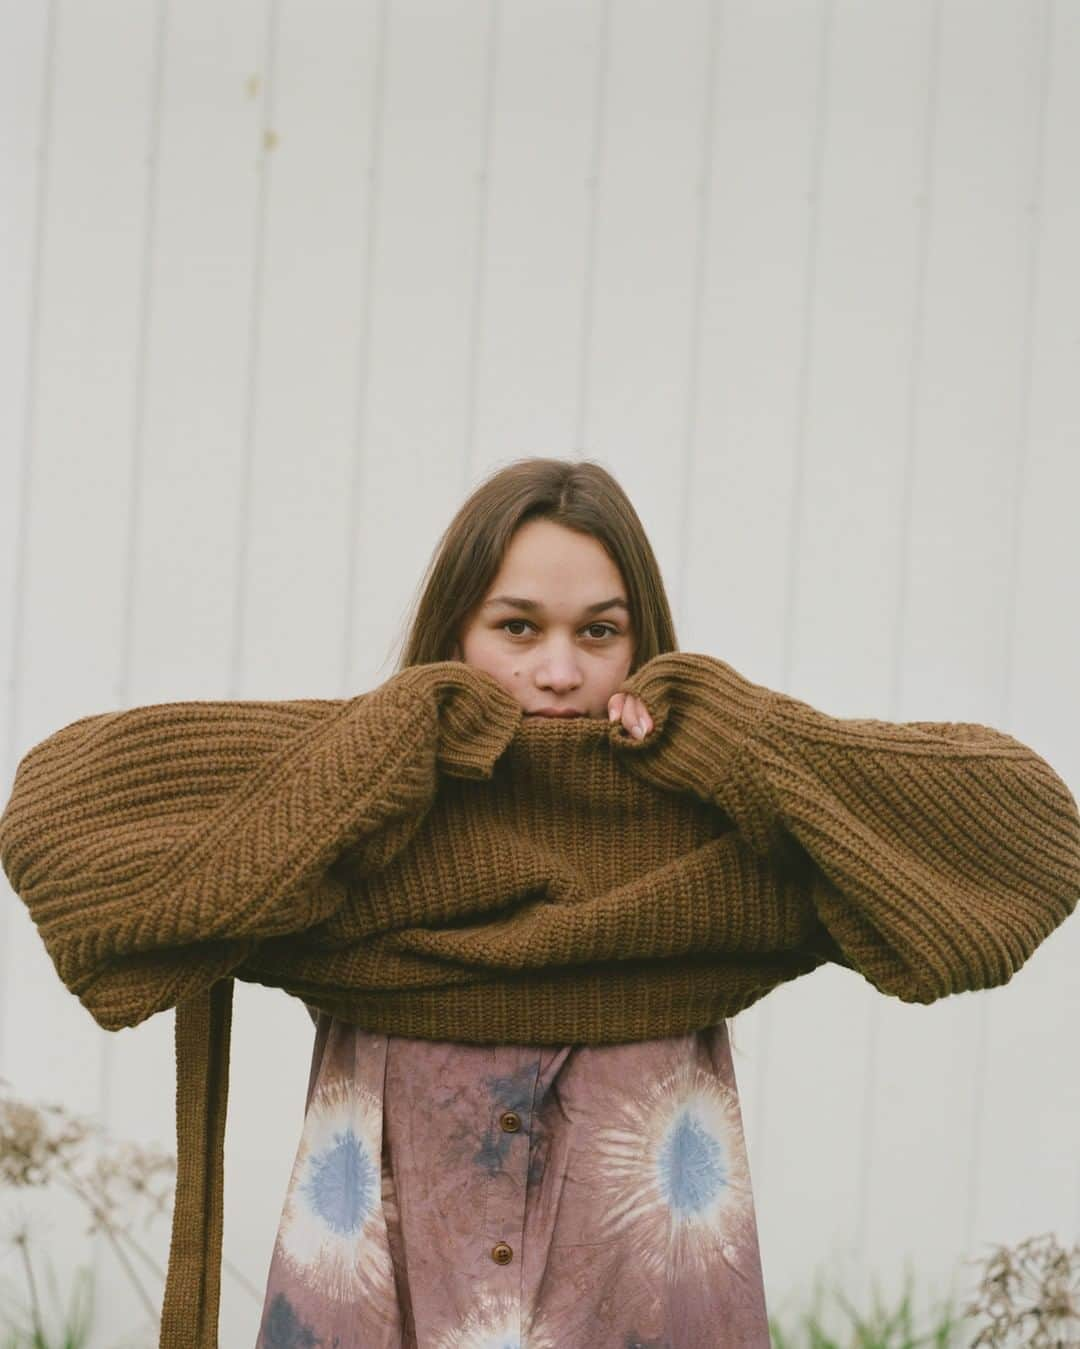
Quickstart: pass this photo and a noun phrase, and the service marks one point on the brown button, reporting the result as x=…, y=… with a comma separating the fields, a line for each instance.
x=510, y=1121
x=501, y=1253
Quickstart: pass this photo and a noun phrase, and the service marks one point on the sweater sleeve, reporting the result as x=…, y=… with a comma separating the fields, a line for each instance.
x=942, y=853
x=155, y=846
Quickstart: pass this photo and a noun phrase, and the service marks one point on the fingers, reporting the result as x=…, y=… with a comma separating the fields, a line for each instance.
x=631, y=711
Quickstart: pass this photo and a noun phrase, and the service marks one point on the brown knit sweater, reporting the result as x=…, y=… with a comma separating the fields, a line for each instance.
x=423, y=860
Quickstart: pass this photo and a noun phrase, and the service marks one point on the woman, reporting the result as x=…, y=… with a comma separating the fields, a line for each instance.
x=449, y=1194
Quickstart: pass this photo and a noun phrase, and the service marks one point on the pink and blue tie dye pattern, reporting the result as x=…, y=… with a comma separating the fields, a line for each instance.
x=612, y=1180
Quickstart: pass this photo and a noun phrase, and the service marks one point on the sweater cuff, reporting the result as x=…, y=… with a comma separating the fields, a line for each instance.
x=477, y=716
x=705, y=716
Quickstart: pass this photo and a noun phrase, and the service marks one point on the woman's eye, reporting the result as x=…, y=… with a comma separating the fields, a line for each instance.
x=606, y=628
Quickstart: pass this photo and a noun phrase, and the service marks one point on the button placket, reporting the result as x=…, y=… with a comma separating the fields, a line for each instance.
x=510, y=1122
x=508, y=1192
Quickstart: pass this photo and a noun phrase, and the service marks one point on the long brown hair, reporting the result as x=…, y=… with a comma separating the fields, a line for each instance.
x=580, y=495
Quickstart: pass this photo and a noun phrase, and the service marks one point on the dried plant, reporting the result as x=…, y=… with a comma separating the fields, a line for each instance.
x=45, y=1145
x=1029, y=1296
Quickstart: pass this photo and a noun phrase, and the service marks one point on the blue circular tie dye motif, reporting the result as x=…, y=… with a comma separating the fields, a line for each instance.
x=693, y=1166
x=340, y=1185
x=332, y=1235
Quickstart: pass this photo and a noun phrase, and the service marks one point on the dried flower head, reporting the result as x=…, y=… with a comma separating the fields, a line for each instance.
x=1029, y=1296
x=130, y=1174
x=35, y=1141
x=41, y=1144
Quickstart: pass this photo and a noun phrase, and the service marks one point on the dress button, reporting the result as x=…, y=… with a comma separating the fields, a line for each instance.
x=510, y=1121
x=501, y=1253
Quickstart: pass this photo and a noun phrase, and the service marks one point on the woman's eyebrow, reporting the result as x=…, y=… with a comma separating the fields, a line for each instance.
x=533, y=606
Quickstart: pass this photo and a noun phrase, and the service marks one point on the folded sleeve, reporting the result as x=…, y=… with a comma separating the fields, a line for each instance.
x=943, y=853
x=154, y=847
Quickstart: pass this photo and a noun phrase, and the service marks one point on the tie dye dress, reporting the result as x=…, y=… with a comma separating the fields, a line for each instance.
x=456, y=1196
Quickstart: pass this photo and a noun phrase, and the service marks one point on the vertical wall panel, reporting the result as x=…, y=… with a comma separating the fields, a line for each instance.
x=191, y=394
x=27, y=51
x=746, y=409
x=768, y=122
x=868, y=214
x=26, y=83
x=322, y=113
x=1030, y=1103
x=952, y=625
x=412, y=416
x=78, y=495
x=536, y=269
x=319, y=69
x=202, y=292
x=650, y=182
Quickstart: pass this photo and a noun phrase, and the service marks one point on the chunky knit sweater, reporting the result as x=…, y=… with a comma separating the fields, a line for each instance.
x=424, y=860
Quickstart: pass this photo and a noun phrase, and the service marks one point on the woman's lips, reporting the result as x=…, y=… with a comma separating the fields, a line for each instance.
x=555, y=712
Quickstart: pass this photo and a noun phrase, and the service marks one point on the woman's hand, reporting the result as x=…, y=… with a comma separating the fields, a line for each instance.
x=631, y=711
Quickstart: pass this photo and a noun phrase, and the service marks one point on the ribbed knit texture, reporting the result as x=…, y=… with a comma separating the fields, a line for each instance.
x=423, y=860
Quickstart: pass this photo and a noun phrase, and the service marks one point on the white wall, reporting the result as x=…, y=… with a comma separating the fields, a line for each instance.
x=279, y=283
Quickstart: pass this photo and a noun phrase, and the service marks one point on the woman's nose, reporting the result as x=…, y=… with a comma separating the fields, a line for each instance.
x=559, y=674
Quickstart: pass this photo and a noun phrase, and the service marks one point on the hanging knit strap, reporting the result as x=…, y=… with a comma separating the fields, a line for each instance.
x=189, y=1317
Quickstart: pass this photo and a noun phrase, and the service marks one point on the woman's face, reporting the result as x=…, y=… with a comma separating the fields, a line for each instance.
x=554, y=626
